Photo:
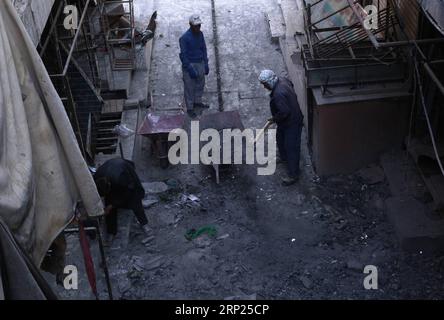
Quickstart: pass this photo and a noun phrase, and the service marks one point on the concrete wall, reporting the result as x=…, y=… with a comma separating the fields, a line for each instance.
x=34, y=14
x=350, y=136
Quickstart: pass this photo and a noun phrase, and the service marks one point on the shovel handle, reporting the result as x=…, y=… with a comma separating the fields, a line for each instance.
x=262, y=132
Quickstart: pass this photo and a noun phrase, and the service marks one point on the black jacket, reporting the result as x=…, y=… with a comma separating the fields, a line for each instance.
x=284, y=104
x=125, y=184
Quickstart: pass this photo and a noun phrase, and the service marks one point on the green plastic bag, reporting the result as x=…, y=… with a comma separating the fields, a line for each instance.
x=194, y=234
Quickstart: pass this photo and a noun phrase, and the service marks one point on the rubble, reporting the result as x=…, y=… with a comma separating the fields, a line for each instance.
x=149, y=201
x=355, y=265
x=193, y=198
x=308, y=284
x=148, y=240
x=372, y=175
x=225, y=236
x=155, y=187
x=136, y=263
x=154, y=263
x=242, y=297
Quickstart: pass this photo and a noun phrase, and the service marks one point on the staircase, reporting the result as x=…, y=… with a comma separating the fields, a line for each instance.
x=106, y=140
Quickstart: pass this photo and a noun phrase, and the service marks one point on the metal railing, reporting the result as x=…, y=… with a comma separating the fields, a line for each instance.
x=74, y=42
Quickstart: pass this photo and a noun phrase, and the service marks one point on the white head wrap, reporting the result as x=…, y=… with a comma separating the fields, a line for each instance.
x=268, y=77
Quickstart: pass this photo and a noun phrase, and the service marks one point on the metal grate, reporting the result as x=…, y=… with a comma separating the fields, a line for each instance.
x=345, y=39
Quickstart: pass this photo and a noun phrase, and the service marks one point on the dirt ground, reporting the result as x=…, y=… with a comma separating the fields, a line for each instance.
x=308, y=241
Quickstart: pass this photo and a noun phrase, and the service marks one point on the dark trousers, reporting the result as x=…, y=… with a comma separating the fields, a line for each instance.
x=289, y=145
x=134, y=205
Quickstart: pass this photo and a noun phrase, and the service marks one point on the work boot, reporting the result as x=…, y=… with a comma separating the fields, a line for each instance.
x=191, y=114
x=201, y=105
x=289, y=181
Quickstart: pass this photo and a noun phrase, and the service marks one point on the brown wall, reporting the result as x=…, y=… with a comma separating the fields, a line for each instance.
x=347, y=137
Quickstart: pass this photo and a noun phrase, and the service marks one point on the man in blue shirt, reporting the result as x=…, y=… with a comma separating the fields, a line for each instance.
x=194, y=57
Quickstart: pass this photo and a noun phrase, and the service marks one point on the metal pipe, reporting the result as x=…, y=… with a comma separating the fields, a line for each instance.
x=104, y=263
x=409, y=42
x=102, y=253
x=71, y=52
x=434, y=77
x=429, y=125
x=437, y=62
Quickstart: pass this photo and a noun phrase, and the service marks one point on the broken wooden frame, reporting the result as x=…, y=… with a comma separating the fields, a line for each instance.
x=120, y=39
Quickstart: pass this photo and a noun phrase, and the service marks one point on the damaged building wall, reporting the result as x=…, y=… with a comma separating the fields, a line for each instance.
x=34, y=14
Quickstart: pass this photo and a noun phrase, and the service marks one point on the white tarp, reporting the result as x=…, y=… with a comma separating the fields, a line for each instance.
x=42, y=172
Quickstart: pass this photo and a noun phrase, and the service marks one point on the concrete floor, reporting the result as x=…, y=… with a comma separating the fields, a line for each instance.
x=310, y=241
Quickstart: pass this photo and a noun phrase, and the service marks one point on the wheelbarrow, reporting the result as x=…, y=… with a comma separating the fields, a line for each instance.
x=157, y=128
x=221, y=121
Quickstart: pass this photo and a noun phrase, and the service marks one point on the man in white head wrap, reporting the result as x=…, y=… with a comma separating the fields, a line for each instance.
x=269, y=79
x=289, y=119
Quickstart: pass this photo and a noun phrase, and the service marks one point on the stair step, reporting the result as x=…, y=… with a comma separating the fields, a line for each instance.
x=108, y=139
x=109, y=121
x=123, y=64
x=112, y=148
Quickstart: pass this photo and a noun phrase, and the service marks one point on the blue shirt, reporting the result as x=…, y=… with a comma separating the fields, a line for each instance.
x=193, y=49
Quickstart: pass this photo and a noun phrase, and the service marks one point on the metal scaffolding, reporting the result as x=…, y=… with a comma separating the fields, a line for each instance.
x=70, y=58
x=118, y=27
x=341, y=49
x=83, y=64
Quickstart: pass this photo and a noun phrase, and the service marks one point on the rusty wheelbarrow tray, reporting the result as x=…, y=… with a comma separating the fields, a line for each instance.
x=220, y=121
x=157, y=127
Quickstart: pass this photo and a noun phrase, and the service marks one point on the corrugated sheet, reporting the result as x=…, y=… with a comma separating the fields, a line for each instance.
x=434, y=10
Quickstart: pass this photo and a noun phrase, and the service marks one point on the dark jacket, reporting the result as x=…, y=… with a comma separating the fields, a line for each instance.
x=125, y=184
x=193, y=49
x=284, y=104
